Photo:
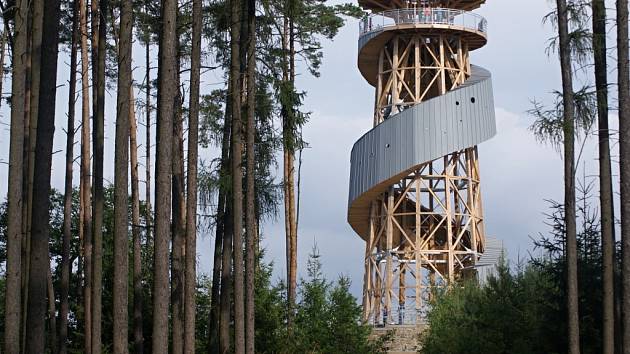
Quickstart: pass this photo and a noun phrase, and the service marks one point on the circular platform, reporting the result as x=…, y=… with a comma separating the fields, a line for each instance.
x=375, y=30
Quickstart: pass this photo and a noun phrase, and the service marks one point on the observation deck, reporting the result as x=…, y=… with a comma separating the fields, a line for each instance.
x=381, y=5
x=376, y=29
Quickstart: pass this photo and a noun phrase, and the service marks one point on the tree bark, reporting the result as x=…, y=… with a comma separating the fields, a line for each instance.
x=52, y=320
x=191, y=198
x=149, y=214
x=237, y=178
x=250, y=262
x=40, y=263
x=138, y=337
x=166, y=111
x=15, y=192
x=220, y=310
x=605, y=176
x=98, y=140
x=135, y=225
x=624, y=153
x=179, y=232
x=121, y=180
x=569, y=180
x=84, y=186
x=67, y=201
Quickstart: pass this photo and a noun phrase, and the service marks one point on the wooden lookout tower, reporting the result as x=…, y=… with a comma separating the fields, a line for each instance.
x=415, y=193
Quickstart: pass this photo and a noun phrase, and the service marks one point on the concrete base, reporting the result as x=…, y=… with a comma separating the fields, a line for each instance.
x=399, y=339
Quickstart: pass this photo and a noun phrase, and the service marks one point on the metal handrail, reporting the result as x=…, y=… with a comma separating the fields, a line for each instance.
x=423, y=16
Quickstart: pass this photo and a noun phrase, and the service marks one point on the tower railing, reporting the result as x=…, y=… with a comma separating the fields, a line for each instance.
x=459, y=19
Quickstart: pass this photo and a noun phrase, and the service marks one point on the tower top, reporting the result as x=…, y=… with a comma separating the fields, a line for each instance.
x=382, y=5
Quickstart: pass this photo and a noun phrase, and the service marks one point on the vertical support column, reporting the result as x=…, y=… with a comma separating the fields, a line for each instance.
x=417, y=67
x=418, y=241
x=378, y=115
x=394, y=77
x=367, y=279
x=472, y=204
x=388, y=249
x=442, y=67
x=449, y=219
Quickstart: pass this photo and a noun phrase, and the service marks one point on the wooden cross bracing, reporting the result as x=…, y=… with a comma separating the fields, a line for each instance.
x=425, y=233
x=416, y=67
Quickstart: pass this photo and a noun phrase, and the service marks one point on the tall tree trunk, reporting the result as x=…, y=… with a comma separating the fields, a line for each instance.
x=15, y=192
x=3, y=44
x=250, y=262
x=605, y=176
x=191, y=197
x=624, y=153
x=98, y=140
x=121, y=180
x=237, y=178
x=52, y=320
x=135, y=227
x=289, y=140
x=67, y=201
x=569, y=180
x=167, y=91
x=84, y=186
x=138, y=337
x=221, y=274
x=147, y=107
x=179, y=232
x=33, y=83
x=40, y=263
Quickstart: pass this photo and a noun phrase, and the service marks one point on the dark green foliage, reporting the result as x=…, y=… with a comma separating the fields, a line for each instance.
x=328, y=318
x=505, y=316
x=523, y=310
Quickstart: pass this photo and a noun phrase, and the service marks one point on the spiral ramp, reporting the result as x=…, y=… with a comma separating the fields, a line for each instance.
x=414, y=191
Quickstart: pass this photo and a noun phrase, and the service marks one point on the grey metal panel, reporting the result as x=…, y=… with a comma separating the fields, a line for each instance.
x=424, y=132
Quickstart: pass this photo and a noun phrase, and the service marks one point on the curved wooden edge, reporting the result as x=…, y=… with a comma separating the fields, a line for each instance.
x=369, y=51
x=382, y=5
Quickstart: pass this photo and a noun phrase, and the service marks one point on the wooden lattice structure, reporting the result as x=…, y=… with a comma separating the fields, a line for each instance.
x=423, y=226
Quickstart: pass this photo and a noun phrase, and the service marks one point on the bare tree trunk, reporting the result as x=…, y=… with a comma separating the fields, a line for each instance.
x=250, y=262
x=121, y=180
x=569, y=180
x=605, y=177
x=98, y=140
x=33, y=84
x=167, y=91
x=67, y=202
x=220, y=310
x=138, y=337
x=624, y=153
x=40, y=263
x=52, y=320
x=3, y=44
x=179, y=232
x=149, y=214
x=15, y=192
x=237, y=179
x=84, y=186
x=191, y=198
x=135, y=225
x=289, y=139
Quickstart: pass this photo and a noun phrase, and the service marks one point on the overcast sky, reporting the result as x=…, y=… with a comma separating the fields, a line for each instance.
x=517, y=173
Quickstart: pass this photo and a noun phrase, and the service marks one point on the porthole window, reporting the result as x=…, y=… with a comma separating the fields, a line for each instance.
x=472, y=100
x=387, y=146
x=457, y=103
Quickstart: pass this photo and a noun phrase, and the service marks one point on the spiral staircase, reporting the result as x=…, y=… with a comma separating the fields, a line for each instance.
x=415, y=194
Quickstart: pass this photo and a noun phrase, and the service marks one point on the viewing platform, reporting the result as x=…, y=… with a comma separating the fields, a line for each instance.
x=376, y=29
x=382, y=5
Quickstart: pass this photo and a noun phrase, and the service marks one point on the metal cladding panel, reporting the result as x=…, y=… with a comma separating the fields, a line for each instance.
x=423, y=133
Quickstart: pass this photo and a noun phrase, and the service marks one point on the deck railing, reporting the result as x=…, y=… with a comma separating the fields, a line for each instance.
x=423, y=16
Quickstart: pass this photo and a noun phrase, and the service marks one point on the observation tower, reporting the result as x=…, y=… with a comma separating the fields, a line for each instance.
x=415, y=194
